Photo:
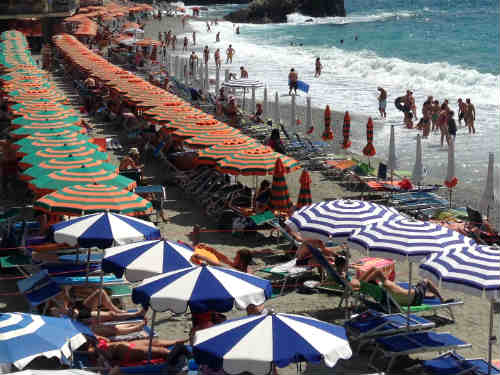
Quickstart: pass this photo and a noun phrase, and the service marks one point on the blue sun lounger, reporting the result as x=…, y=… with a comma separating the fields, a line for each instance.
x=393, y=347
x=452, y=363
x=370, y=324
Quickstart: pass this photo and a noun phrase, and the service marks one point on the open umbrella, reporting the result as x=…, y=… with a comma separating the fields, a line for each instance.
x=202, y=128
x=47, y=122
x=337, y=218
x=25, y=337
x=304, y=198
x=57, y=140
x=473, y=270
x=488, y=198
x=69, y=371
x=328, y=133
x=51, y=165
x=369, y=150
x=88, y=150
x=53, y=130
x=451, y=180
x=256, y=344
x=280, y=199
x=346, y=129
x=213, y=138
x=41, y=145
x=78, y=176
x=418, y=169
x=144, y=259
x=103, y=230
x=230, y=146
x=85, y=199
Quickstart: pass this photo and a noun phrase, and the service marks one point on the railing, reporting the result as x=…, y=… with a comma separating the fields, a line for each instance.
x=37, y=7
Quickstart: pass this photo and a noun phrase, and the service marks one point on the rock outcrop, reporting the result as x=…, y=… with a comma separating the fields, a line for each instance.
x=275, y=11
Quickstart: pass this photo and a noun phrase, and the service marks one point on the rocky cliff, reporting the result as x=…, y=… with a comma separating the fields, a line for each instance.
x=275, y=11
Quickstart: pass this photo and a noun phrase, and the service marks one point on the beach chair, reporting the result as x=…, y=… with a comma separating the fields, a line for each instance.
x=452, y=363
x=403, y=344
x=365, y=327
x=38, y=289
x=287, y=274
x=386, y=303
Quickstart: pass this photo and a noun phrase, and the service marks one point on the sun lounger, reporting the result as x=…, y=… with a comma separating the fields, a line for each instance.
x=286, y=272
x=393, y=347
x=370, y=324
x=38, y=289
x=452, y=363
x=82, y=280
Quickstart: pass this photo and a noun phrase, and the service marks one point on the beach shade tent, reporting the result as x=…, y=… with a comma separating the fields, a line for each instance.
x=227, y=147
x=369, y=149
x=89, y=150
x=474, y=270
x=337, y=218
x=392, y=161
x=212, y=138
x=451, y=180
x=103, y=230
x=55, y=130
x=304, y=198
x=245, y=84
x=141, y=260
x=488, y=198
x=417, y=175
x=51, y=165
x=257, y=344
x=24, y=337
x=78, y=176
x=256, y=162
x=346, y=130
x=78, y=200
x=327, y=133
x=280, y=198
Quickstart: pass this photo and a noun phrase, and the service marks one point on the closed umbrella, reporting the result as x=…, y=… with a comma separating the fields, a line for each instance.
x=328, y=133
x=488, y=198
x=256, y=344
x=418, y=169
x=140, y=260
x=346, y=129
x=230, y=146
x=277, y=115
x=392, y=161
x=78, y=200
x=304, y=198
x=451, y=180
x=369, y=149
x=280, y=198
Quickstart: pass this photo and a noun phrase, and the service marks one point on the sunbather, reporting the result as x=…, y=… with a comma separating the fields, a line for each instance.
x=212, y=257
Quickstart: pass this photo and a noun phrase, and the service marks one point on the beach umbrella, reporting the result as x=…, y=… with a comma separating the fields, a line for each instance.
x=309, y=121
x=140, y=260
x=418, y=168
x=78, y=176
x=24, y=337
x=474, y=270
x=257, y=344
x=78, y=200
x=451, y=180
x=255, y=162
x=265, y=104
x=280, y=198
x=57, y=140
x=230, y=146
x=488, y=198
x=328, y=133
x=369, y=150
x=202, y=288
x=337, y=218
x=392, y=160
x=245, y=84
x=51, y=165
x=277, y=115
x=103, y=230
x=293, y=113
x=42, y=144
x=69, y=371
x=346, y=129
x=88, y=150
x=304, y=198
x=202, y=128
x=47, y=122
x=55, y=130
x=212, y=138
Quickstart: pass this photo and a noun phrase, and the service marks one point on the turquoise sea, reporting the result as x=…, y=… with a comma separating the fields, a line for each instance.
x=448, y=49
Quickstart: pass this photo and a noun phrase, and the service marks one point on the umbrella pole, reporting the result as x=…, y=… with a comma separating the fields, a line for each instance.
x=99, y=307
x=490, y=339
x=151, y=335
x=449, y=190
x=409, y=289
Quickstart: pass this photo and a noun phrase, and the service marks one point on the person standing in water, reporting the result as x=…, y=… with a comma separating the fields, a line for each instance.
x=318, y=66
x=194, y=38
x=185, y=46
x=470, y=116
x=217, y=36
x=382, y=101
x=206, y=54
x=174, y=40
x=452, y=127
x=229, y=54
x=217, y=58
x=293, y=77
x=462, y=108
x=243, y=72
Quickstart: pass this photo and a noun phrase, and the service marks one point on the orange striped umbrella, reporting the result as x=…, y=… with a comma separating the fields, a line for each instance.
x=304, y=198
x=89, y=150
x=280, y=198
x=256, y=162
x=43, y=144
x=211, y=154
x=79, y=200
x=369, y=149
x=327, y=133
x=202, y=128
x=346, y=129
x=212, y=138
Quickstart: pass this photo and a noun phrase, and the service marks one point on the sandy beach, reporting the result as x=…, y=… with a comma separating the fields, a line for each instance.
x=472, y=319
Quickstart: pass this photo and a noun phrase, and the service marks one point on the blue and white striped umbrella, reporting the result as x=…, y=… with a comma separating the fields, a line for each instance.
x=475, y=270
x=256, y=343
x=141, y=260
x=103, y=229
x=337, y=218
x=408, y=239
x=202, y=288
x=24, y=337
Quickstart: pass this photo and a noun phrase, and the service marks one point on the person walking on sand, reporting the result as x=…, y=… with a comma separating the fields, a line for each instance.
x=470, y=116
x=462, y=108
x=217, y=58
x=194, y=38
x=293, y=77
x=229, y=54
x=206, y=54
x=174, y=40
x=217, y=37
x=382, y=102
x=185, y=46
x=442, y=122
x=193, y=61
x=243, y=72
x=208, y=28
x=318, y=68
x=435, y=115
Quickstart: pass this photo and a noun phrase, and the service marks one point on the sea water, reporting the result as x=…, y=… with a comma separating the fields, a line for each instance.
x=447, y=49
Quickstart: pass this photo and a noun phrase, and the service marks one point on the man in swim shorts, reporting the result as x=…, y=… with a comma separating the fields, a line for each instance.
x=318, y=66
x=206, y=54
x=217, y=58
x=243, y=72
x=382, y=101
x=293, y=77
x=229, y=54
x=470, y=116
x=462, y=108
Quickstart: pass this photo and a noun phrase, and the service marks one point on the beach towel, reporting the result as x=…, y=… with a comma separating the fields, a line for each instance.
x=290, y=268
x=302, y=86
